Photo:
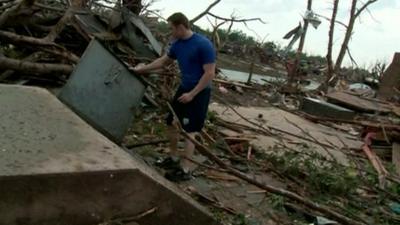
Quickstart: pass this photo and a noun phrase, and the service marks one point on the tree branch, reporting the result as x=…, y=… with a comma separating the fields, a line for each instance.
x=62, y=53
x=204, y=12
x=351, y=57
x=326, y=18
x=359, y=11
x=235, y=20
x=14, y=11
x=43, y=6
x=21, y=39
x=57, y=29
x=42, y=68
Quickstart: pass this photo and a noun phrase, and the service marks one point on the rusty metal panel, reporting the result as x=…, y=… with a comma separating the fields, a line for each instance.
x=103, y=92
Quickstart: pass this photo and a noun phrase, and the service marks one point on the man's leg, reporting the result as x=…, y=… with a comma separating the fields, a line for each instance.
x=173, y=136
x=189, y=151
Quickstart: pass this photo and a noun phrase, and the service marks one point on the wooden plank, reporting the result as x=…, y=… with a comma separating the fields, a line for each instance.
x=357, y=103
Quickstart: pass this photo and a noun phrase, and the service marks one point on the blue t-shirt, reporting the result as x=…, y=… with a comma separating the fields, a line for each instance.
x=192, y=54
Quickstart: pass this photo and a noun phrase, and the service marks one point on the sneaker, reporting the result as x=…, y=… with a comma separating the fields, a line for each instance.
x=171, y=162
x=178, y=175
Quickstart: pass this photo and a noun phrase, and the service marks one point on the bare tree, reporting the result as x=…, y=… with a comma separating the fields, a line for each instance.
x=205, y=12
x=354, y=14
x=219, y=21
x=333, y=70
x=293, y=71
x=330, y=42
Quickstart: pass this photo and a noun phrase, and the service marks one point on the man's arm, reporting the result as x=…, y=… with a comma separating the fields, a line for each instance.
x=156, y=64
x=208, y=76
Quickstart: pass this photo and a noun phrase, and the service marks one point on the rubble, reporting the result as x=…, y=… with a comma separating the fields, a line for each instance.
x=264, y=149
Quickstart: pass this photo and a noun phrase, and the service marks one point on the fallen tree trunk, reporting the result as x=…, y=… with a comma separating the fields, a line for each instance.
x=21, y=39
x=31, y=67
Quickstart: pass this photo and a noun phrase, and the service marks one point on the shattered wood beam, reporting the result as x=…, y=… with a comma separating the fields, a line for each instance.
x=30, y=67
x=204, y=12
x=269, y=188
x=21, y=39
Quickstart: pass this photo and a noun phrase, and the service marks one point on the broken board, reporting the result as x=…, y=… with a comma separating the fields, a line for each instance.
x=359, y=104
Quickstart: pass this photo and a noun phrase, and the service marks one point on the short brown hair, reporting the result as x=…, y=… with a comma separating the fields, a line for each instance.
x=178, y=19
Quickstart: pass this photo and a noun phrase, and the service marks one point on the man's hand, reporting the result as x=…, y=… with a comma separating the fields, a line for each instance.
x=186, y=98
x=139, y=68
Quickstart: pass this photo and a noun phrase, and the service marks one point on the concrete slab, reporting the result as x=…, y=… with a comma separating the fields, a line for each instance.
x=279, y=119
x=56, y=169
x=103, y=92
x=320, y=108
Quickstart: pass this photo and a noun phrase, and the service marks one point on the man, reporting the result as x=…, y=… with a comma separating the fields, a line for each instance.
x=196, y=58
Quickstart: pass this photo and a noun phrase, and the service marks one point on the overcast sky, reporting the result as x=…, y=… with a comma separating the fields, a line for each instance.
x=376, y=36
